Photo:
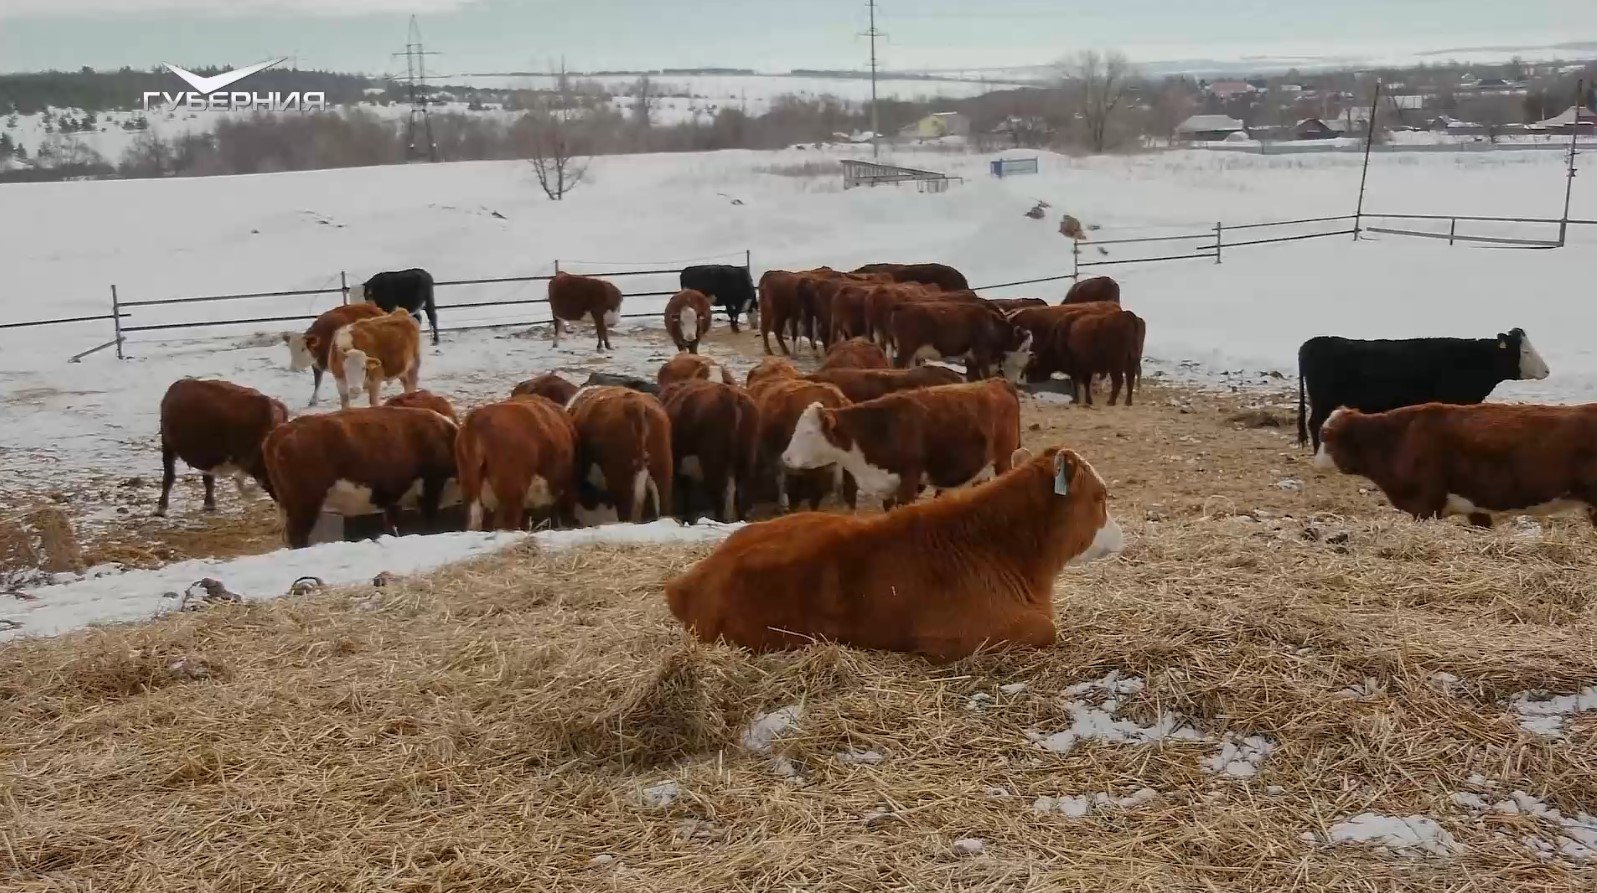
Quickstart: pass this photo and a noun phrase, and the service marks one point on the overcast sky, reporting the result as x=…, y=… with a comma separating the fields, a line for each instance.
x=770, y=35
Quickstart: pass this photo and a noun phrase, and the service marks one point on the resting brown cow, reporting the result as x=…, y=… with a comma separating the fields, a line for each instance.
x=781, y=402
x=623, y=452
x=310, y=349
x=945, y=437
x=780, y=308
x=370, y=351
x=940, y=275
x=687, y=319
x=550, y=386
x=855, y=353
x=771, y=369
x=1097, y=288
x=974, y=334
x=572, y=298
x=941, y=579
x=1480, y=460
x=715, y=441
x=860, y=385
x=357, y=462
x=215, y=427
x=424, y=399
x=516, y=456
x=1101, y=344
x=688, y=367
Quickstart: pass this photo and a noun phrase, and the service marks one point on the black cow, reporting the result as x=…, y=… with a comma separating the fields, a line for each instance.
x=411, y=289
x=630, y=382
x=1382, y=375
x=729, y=287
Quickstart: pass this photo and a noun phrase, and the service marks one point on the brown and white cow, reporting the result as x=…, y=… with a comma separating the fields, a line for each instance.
x=850, y=311
x=368, y=352
x=937, y=275
x=687, y=319
x=780, y=308
x=689, y=367
x=424, y=399
x=1009, y=305
x=882, y=301
x=860, y=385
x=975, y=334
x=1482, y=460
x=310, y=349
x=715, y=442
x=360, y=461
x=549, y=386
x=771, y=369
x=1093, y=344
x=818, y=291
x=1048, y=352
x=573, y=298
x=1097, y=288
x=782, y=402
x=855, y=353
x=516, y=456
x=623, y=453
x=944, y=437
x=941, y=579
x=215, y=427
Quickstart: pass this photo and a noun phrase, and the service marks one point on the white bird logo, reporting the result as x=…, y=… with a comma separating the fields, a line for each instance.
x=221, y=81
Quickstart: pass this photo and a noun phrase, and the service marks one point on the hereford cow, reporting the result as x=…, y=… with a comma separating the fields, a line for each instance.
x=850, y=312
x=860, y=385
x=818, y=300
x=623, y=452
x=688, y=367
x=310, y=350
x=780, y=308
x=517, y=456
x=572, y=298
x=729, y=287
x=368, y=352
x=883, y=301
x=1048, y=354
x=617, y=380
x=715, y=441
x=942, y=579
x=1101, y=344
x=687, y=319
x=411, y=289
x=781, y=402
x=1375, y=376
x=549, y=386
x=215, y=427
x=946, y=437
x=771, y=369
x=422, y=399
x=360, y=461
x=855, y=353
x=940, y=275
x=973, y=333
x=1097, y=288
x=1478, y=460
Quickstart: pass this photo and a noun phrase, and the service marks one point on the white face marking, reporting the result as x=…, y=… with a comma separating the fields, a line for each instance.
x=809, y=447
x=357, y=293
x=1323, y=460
x=354, y=368
x=1531, y=365
x=690, y=323
x=690, y=468
x=611, y=318
x=1013, y=366
x=1109, y=540
x=300, y=357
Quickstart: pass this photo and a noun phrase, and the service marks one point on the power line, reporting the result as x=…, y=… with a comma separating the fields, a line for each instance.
x=416, y=88
x=876, y=129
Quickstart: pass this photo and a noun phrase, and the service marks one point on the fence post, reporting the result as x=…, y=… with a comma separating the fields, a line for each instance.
x=1075, y=260
x=116, y=320
x=1452, y=230
x=343, y=284
x=748, y=261
x=1219, y=231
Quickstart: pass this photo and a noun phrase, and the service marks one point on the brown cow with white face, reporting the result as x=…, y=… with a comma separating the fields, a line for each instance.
x=215, y=427
x=974, y=334
x=1483, y=460
x=782, y=401
x=572, y=298
x=940, y=579
x=368, y=352
x=687, y=319
x=310, y=349
x=945, y=437
x=689, y=367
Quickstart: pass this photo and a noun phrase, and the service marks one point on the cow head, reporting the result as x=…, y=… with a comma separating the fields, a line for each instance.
x=1017, y=355
x=355, y=364
x=817, y=441
x=357, y=293
x=1080, y=500
x=301, y=350
x=1526, y=363
x=1346, y=439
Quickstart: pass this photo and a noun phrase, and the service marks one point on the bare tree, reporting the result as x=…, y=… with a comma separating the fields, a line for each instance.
x=553, y=141
x=645, y=99
x=1101, y=81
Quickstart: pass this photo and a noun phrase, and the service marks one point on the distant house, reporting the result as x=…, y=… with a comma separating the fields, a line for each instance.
x=1208, y=128
x=1573, y=118
x=936, y=126
x=1315, y=129
x=1230, y=89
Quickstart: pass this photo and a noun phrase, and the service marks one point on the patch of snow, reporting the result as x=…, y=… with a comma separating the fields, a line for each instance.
x=660, y=794
x=1367, y=690
x=767, y=727
x=1112, y=684
x=1413, y=835
x=1569, y=839
x=1546, y=716
x=1013, y=688
x=860, y=757
x=1080, y=806
x=970, y=846
x=1239, y=757
x=1102, y=722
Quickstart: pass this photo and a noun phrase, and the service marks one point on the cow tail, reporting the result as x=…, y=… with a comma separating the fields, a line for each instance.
x=642, y=481
x=1303, y=421
x=431, y=308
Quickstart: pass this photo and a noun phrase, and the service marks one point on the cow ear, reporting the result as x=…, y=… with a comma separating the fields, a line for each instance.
x=1502, y=341
x=1020, y=456
x=1064, y=471
x=313, y=343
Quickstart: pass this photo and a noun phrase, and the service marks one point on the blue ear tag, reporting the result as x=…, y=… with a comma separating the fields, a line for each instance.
x=1061, y=483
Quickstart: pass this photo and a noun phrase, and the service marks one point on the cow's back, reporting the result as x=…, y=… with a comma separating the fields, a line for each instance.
x=207, y=422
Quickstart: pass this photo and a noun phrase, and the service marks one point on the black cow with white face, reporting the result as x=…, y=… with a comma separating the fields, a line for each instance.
x=411, y=289
x=728, y=286
x=1382, y=375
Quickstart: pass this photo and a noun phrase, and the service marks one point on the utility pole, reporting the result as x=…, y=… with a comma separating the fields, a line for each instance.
x=416, y=89
x=876, y=130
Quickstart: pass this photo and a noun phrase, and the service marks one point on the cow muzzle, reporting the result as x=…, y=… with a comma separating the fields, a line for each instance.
x=1109, y=540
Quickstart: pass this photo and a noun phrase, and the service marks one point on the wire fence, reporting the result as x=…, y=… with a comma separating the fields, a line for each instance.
x=1211, y=245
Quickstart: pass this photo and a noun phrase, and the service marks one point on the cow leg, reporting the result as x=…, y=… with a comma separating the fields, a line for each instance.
x=316, y=383
x=432, y=493
x=557, y=331
x=850, y=492
x=391, y=520
x=782, y=503
x=683, y=500
x=1317, y=417
x=908, y=487
x=1480, y=519
x=343, y=391
x=210, y=491
x=1116, y=381
x=732, y=314
x=168, y=476
x=298, y=524
x=374, y=391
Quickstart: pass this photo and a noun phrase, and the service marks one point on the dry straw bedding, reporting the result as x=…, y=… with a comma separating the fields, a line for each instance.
x=491, y=728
